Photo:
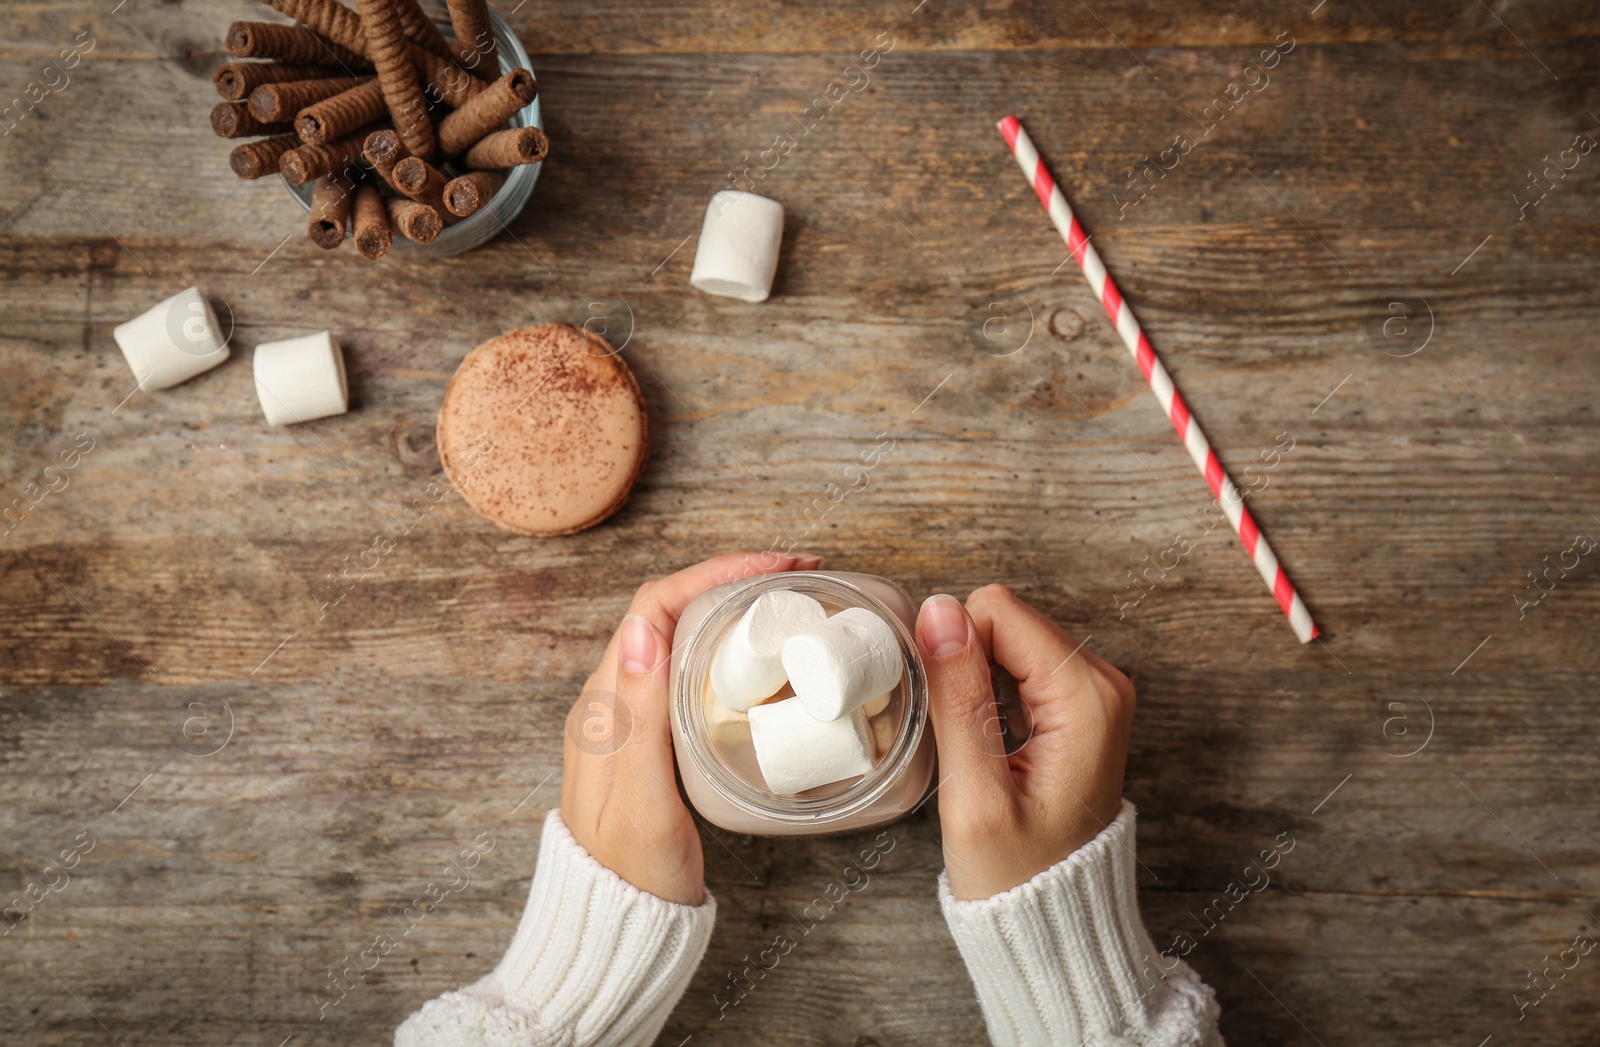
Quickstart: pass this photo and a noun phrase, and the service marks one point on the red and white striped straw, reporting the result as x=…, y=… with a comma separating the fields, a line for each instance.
x=1194, y=440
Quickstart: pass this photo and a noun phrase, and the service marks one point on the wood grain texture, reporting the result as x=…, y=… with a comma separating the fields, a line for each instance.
x=181, y=567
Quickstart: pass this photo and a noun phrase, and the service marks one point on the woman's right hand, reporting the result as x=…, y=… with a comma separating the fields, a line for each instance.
x=1008, y=818
x=617, y=794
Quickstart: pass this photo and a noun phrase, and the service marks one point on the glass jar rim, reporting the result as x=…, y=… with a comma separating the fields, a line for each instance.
x=688, y=707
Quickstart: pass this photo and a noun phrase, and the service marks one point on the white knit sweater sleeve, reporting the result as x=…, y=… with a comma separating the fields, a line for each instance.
x=1064, y=959
x=595, y=962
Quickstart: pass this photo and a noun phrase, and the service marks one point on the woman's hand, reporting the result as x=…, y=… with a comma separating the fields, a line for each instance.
x=1008, y=818
x=619, y=798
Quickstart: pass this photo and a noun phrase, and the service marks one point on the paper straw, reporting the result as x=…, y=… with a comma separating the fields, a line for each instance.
x=1194, y=441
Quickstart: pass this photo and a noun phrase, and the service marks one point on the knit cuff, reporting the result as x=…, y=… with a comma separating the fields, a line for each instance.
x=1065, y=958
x=595, y=961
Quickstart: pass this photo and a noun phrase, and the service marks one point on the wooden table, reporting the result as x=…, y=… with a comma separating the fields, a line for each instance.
x=1334, y=265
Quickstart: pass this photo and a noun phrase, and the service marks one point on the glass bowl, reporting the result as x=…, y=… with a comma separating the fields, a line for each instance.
x=487, y=222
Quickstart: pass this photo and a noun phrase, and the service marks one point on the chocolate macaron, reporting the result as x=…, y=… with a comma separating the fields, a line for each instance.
x=543, y=430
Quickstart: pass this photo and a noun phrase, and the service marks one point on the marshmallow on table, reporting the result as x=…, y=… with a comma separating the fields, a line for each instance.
x=748, y=666
x=797, y=752
x=737, y=256
x=172, y=341
x=299, y=379
x=843, y=663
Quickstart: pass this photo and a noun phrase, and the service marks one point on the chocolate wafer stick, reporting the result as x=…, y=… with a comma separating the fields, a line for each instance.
x=424, y=183
x=274, y=103
x=486, y=112
x=233, y=120
x=383, y=149
x=415, y=221
x=372, y=223
x=509, y=148
x=327, y=18
x=474, y=35
x=446, y=82
x=341, y=114
x=288, y=43
x=235, y=80
x=463, y=196
x=305, y=162
x=261, y=157
x=330, y=212
x=420, y=30
x=386, y=46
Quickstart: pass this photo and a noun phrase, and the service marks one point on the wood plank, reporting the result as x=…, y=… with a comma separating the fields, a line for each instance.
x=193, y=31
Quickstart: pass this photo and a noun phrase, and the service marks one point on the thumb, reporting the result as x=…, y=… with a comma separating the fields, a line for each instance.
x=643, y=741
x=966, y=725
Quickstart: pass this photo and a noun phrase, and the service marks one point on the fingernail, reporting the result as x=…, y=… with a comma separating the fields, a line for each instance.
x=944, y=625
x=806, y=562
x=636, y=646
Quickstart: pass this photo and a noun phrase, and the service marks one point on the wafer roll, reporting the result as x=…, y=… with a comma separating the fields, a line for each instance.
x=288, y=43
x=464, y=195
x=275, y=103
x=260, y=157
x=474, y=35
x=330, y=212
x=486, y=112
x=338, y=23
x=509, y=148
x=421, y=30
x=415, y=221
x=422, y=182
x=386, y=46
x=235, y=80
x=305, y=162
x=340, y=114
x=383, y=149
x=447, y=82
x=327, y=18
x=233, y=120
x=372, y=223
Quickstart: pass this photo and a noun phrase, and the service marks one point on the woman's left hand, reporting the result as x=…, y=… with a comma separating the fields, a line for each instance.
x=619, y=798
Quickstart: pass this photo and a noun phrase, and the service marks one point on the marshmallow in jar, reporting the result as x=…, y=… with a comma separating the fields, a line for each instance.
x=799, y=704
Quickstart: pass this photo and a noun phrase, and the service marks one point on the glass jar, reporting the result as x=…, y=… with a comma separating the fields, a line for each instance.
x=724, y=784
x=502, y=209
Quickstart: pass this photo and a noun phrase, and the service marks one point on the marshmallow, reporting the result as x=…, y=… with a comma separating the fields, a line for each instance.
x=883, y=732
x=796, y=752
x=172, y=341
x=748, y=666
x=842, y=664
x=737, y=256
x=878, y=704
x=726, y=726
x=300, y=379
